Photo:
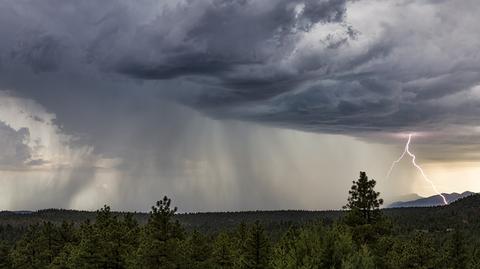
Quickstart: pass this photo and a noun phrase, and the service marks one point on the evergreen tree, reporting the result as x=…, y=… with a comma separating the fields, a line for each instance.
x=380, y=250
x=308, y=247
x=196, y=252
x=285, y=253
x=119, y=242
x=338, y=245
x=4, y=251
x=87, y=254
x=361, y=259
x=256, y=250
x=239, y=241
x=41, y=244
x=161, y=238
x=67, y=232
x=418, y=253
x=363, y=202
x=315, y=247
x=474, y=262
x=456, y=251
x=52, y=241
x=131, y=238
x=364, y=214
x=63, y=260
x=223, y=253
x=241, y=234
x=105, y=244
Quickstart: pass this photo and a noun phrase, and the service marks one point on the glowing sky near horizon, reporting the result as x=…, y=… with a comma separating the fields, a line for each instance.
x=234, y=105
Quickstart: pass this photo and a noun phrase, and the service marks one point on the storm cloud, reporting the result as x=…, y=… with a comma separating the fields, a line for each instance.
x=14, y=150
x=128, y=79
x=325, y=65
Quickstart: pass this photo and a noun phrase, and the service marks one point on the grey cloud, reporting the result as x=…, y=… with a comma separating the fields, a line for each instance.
x=265, y=61
x=36, y=162
x=42, y=55
x=108, y=70
x=15, y=152
x=225, y=36
x=238, y=45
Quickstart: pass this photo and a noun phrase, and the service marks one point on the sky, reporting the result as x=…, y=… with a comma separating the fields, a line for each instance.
x=228, y=105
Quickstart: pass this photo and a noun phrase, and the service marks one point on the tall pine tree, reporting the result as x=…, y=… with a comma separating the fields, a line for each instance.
x=363, y=201
x=256, y=250
x=223, y=253
x=161, y=239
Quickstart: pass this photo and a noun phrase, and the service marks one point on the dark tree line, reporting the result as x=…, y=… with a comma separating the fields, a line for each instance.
x=363, y=238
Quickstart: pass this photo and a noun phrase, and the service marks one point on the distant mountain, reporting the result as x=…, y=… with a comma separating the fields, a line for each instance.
x=435, y=200
x=405, y=197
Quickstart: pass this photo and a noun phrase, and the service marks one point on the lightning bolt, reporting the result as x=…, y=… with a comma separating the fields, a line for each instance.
x=425, y=177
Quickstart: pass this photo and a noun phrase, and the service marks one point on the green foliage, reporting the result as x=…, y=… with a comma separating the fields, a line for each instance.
x=364, y=213
x=161, y=239
x=417, y=252
x=456, y=251
x=361, y=259
x=474, y=262
x=107, y=243
x=223, y=252
x=4, y=257
x=363, y=240
x=317, y=246
x=285, y=253
x=255, y=251
x=363, y=201
x=197, y=252
x=38, y=247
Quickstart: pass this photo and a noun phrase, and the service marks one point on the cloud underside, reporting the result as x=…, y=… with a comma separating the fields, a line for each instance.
x=99, y=99
x=330, y=66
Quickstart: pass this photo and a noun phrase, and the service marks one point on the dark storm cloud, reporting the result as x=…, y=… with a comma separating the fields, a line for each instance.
x=42, y=55
x=224, y=36
x=319, y=65
x=108, y=71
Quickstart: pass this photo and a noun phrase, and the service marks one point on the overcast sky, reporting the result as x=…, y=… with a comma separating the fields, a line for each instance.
x=234, y=104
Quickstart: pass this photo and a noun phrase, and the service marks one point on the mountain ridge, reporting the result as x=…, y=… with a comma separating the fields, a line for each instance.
x=434, y=200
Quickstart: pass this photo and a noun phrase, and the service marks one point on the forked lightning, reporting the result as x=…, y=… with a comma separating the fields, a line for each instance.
x=407, y=151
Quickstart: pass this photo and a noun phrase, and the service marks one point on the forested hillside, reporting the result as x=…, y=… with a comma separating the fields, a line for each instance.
x=360, y=236
x=462, y=212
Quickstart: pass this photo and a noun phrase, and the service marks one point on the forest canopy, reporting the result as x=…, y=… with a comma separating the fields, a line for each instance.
x=362, y=236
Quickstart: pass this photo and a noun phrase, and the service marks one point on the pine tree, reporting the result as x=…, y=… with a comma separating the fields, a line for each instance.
x=310, y=247
x=239, y=240
x=285, y=253
x=87, y=253
x=418, y=252
x=4, y=251
x=256, y=250
x=38, y=247
x=457, y=254
x=338, y=245
x=474, y=262
x=130, y=238
x=196, y=252
x=34, y=249
x=51, y=240
x=364, y=215
x=223, y=253
x=363, y=202
x=105, y=244
x=161, y=238
x=67, y=232
x=361, y=259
